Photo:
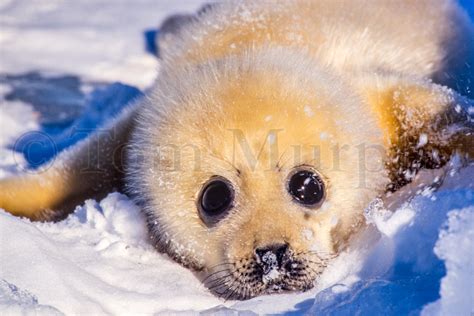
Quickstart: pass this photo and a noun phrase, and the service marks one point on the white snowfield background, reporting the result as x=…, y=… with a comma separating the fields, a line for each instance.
x=416, y=258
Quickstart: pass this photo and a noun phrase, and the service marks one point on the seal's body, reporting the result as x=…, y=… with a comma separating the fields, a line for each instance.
x=269, y=129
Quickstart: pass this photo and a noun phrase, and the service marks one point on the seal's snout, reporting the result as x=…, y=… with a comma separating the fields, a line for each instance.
x=270, y=259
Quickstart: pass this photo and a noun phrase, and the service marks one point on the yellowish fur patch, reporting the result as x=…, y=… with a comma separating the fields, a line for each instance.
x=252, y=93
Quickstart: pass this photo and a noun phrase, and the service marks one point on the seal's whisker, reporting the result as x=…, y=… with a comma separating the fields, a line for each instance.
x=217, y=279
x=214, y=273
x=221, y=264
x=219, y=283
x=227, y=290
x=319, y=253
x=232, y=293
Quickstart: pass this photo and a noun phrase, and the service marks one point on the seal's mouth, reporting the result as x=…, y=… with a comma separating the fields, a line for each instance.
x=266, y=273
x=277, y=275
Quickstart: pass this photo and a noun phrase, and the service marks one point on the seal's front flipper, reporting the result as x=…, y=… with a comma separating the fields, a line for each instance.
x=424, y=124
x=89, y=169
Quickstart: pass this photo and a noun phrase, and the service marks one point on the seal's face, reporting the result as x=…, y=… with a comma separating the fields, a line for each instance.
x=255, y=179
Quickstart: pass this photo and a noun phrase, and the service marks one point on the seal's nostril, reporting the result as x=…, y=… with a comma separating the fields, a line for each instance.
x=277, y=251
x=280, y=253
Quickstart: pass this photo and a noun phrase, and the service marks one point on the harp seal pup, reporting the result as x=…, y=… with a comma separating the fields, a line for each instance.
x=268, y=131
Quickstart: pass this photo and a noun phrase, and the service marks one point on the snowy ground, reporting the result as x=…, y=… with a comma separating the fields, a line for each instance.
x=59, y=61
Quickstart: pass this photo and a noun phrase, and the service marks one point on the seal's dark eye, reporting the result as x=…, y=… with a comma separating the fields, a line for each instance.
x=216, y=197
x=306, y=187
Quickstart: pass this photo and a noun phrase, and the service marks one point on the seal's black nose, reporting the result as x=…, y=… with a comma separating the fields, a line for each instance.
x=271, y=255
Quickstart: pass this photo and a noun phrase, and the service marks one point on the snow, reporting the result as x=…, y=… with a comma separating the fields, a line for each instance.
x=422, y=141
x=308, y=111
x=415, y=257
x=455, y=247
x=16, y=118
x=92, y=39
x=270, y=272
x=96, y=261
x=15, y=302
x=388, y=223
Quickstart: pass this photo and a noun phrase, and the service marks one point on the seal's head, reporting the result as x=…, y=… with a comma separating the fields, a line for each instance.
x=250, y=170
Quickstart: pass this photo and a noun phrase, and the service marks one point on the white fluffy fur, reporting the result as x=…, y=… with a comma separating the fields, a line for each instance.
x=359, y=71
